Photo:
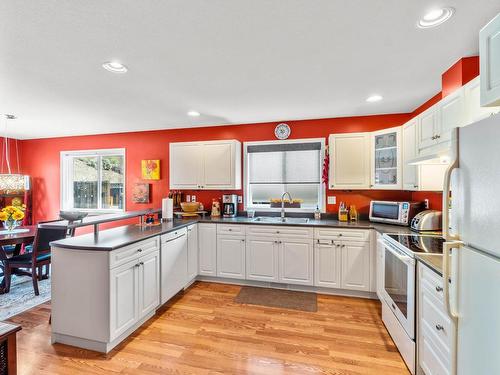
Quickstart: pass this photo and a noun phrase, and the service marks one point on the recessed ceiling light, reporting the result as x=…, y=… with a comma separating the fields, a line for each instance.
x=115, y=67
x=435, y=17
x=374, y=98
x=193, y=113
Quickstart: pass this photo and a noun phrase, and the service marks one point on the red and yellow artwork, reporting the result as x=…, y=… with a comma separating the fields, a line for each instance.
x=150, y=169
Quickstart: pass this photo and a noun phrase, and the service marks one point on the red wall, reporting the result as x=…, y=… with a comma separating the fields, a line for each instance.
x=41, y=157
x=463, y=71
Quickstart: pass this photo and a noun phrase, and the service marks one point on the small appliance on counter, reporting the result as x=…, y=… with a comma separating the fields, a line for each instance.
x=229, y=205
x=398, y=213
x=427, y=221
x=215, y=208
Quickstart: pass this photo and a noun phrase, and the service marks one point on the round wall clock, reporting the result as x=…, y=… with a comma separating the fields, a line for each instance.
x=282, y=131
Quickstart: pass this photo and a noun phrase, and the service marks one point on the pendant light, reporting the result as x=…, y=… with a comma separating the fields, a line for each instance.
x=11, y=183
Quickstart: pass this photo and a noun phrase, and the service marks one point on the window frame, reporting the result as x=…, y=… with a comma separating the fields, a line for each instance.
x=322, y=189
x=66, y=200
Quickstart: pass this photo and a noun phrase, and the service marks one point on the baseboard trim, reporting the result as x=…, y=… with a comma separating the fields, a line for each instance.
x=301, y=288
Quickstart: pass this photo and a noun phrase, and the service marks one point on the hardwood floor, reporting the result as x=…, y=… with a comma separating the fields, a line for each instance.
x=205, y=332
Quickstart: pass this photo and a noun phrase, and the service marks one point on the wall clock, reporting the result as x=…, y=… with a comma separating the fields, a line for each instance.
x=282, y=131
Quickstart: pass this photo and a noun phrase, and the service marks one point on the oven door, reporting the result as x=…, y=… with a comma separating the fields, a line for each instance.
x=399, y=286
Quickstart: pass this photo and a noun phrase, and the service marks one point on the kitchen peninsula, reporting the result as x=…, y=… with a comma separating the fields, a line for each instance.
x=113, y=283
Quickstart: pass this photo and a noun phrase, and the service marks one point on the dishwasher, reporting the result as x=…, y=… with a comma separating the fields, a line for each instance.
x=174, y=263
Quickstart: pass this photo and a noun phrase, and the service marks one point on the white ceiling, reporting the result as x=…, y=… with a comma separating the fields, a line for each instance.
x=235, y=61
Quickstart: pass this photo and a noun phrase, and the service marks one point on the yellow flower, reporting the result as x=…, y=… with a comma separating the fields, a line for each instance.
x=18, y=215
x=3, y=216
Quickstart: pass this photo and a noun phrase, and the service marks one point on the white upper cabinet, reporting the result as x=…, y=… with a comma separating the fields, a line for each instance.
x=205, y=165
x=427, y=129
x=473, y=110
x=409, y=142
x=386, y=159
x=489, y=57
x=451, y=115
x=349, y=161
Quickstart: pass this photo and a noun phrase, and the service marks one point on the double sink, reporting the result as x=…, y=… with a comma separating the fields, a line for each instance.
x=283, y=220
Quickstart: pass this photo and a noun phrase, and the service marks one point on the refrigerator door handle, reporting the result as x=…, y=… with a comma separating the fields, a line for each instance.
x=447, y=246
x=447, y=187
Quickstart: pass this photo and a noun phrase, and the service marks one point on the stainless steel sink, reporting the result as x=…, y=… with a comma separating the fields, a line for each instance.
x=286, y=220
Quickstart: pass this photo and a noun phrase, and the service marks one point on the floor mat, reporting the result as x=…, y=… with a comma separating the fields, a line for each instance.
x=286, y=299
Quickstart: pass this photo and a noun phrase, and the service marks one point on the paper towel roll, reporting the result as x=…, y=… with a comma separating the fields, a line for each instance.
x=167, y=209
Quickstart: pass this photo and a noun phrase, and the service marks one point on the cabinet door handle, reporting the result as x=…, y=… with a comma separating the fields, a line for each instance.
x=433, y=137
x=229, y=229
x=141, y=263
x=439, y=289
x=415, y=186
x=139, y=250
x=342, y=246
x=275, y=241
x=340, y=234
x=242, y=240
x=277, y=232
x=137, y=265
x=438, y=136
x=439, y=327
x=279, y=241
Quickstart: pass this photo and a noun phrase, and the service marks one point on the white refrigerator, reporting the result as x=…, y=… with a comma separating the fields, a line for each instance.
x=472, y=230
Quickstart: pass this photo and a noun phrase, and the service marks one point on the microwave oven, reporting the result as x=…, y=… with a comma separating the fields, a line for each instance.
x=399, y=213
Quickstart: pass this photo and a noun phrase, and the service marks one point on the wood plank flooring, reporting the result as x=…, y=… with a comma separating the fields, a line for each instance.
x=205, y=332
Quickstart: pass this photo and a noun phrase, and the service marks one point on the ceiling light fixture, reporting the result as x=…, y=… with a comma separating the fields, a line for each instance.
x=374, y=98
x=193, y=113
x=435, y=17
x=115, y=67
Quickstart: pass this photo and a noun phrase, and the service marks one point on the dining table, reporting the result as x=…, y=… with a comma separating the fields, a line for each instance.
x=17, y=237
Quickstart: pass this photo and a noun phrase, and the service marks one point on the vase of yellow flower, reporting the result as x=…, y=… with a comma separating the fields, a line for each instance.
x=11, y=217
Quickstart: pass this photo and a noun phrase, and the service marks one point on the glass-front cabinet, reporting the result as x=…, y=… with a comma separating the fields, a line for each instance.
x=386, y=170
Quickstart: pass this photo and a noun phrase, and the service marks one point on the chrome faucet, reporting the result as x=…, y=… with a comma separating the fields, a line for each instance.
x=283, y=203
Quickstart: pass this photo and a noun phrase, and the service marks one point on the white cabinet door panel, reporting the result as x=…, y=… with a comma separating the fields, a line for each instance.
x=409, y=143
x=356, y=266
x=489, y=53
x=472, y=98
x=262, y=259
x=231, y=256
x=149, y=283
x=185, y=165
x=452, y=115
x=207, y=243
x=296, y=262
x=427, y=129
x=218, y=165
x=192, y=232
x=349, y=161
x=327, y=264
x=386, y=159
x=124, y=293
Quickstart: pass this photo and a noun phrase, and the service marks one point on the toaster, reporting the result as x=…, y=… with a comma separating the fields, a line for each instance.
x=428, y=220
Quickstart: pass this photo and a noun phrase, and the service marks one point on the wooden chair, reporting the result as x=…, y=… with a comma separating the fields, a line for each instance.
x=39, y=257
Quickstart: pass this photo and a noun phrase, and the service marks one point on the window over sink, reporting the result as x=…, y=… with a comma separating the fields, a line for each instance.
x=274, y=167
x=93, y=180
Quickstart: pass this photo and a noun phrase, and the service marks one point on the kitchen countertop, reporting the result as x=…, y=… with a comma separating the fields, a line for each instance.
x=433, y=261
x=115, y=238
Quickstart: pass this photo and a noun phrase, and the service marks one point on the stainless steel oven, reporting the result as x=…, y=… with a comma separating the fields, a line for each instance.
x=399, y=286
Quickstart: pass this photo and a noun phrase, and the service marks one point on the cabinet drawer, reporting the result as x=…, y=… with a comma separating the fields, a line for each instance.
x=342, y=234
x=280, y=231
x=174, y=234
x=132, y=252
x=433, y=283
x=436, y=323
x=430, y=357
x=232, y=229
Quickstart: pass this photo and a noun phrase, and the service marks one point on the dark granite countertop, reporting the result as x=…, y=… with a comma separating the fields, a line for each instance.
x=433, y=261
x=115, y=238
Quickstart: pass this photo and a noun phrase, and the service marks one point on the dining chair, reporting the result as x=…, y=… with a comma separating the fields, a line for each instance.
x=39, y=257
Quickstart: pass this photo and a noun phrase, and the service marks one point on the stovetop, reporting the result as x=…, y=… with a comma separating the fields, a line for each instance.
x=419, y=243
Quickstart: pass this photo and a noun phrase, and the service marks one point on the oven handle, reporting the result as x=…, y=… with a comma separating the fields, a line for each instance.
x=406, y=259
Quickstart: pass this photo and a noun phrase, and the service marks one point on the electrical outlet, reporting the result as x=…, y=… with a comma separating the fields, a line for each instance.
x=188, y=198
x=332, y=200
x=426, y=203
x=193, y=198
x=240, y=199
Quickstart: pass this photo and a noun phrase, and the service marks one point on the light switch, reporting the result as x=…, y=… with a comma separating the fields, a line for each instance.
x=332, y=200
x=240, y=199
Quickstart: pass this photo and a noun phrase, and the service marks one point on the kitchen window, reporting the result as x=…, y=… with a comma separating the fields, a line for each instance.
x=93, y=180
x=274, y=167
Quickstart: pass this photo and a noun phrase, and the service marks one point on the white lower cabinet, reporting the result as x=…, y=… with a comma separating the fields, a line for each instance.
x=436, y=331
x=124, y=293
x=231, y=256
x=262, y=259
x=327, y=264
x=296, y=261
x=356, y=266
x=207, y=243
x=192, y=248
x=149, y=283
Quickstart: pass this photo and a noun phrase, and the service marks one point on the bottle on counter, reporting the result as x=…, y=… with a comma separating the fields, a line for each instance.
x=317, y=214
x=353, y=213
